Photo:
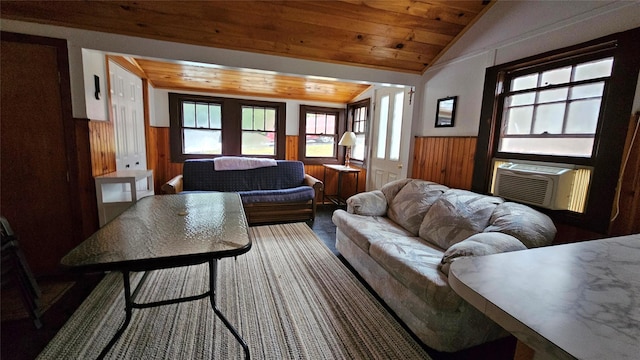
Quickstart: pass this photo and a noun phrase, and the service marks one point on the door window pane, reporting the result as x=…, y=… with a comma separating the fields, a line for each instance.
x=396, y=127
x=382, y=136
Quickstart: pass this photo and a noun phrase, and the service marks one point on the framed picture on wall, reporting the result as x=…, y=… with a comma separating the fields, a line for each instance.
x=446, y=111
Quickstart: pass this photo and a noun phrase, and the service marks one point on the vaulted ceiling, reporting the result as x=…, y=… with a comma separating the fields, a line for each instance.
x=397, y=35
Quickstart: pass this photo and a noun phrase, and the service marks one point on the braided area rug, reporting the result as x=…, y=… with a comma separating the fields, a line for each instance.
x=289, y=297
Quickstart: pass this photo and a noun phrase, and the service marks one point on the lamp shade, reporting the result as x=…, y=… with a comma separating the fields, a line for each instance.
x=348, y=139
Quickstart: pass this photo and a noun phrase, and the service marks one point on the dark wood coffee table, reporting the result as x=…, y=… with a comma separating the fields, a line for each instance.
x=167, y=231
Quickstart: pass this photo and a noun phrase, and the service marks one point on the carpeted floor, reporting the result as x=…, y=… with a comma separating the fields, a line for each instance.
x=289, y=297
x=22, y=341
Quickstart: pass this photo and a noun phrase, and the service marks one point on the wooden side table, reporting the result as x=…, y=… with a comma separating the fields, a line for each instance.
x=340, y=169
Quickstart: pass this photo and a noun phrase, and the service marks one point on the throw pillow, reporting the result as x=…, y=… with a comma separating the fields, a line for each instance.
x=480, y=244
x=456, y=215
x=412, y=202
x=371, y=203
x=530, y=226
x=390, y=190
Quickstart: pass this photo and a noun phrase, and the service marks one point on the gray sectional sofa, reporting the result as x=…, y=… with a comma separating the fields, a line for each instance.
x=401, y=240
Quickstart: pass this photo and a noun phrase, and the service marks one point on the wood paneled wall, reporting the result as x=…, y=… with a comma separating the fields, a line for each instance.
x=628, y=200
x=159, y=159
x=103, y=147
x=445, y=160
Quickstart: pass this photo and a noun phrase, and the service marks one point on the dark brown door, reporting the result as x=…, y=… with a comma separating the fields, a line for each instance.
x=35, y=195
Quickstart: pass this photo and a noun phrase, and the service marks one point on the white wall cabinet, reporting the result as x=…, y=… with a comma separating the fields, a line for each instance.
x=117, y=191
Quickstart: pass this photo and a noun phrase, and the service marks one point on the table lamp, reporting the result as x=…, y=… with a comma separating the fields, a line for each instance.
x=348, y=140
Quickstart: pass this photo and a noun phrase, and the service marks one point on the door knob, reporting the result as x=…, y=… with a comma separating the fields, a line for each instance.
x=399, y=166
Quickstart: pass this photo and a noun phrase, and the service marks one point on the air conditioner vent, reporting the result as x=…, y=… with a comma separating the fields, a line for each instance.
x=530, y=190
x=544, y=186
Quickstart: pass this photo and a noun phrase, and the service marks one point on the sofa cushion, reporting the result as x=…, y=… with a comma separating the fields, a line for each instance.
x=414, y=263
x=530, y=226
x=456, y=215
x=295, y=194
x=480, y=244
x=366, y=230
x=412, y=202
x=391, y=189
x=372, y=203
x=200, y=175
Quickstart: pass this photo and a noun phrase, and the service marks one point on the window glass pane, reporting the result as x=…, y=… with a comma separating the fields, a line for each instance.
x=588, y=90
x=582, y=117
x=215, y=116
x=382, y=136
x=556, y=76
x=330, y=124
x=580, y=147
x=202, y=141
x=518, y=120
x=258, y=118
x=202, y=115
x=311, y=123
x=553, y=95
x=321, y=123
x=524, y=82
x=593, y=69
x=320, y=146
x=258, y=143
x=247, y=118
x=521, y=99
x=549, y=119
x=270, y=119
x=357, y=151
x=396, y=127
x=188, y=114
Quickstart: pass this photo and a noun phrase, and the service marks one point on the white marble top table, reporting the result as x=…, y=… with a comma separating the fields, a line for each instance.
x=573, y=301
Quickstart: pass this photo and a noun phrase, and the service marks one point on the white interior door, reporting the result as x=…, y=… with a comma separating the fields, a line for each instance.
x=128, y=118
x=391, y=130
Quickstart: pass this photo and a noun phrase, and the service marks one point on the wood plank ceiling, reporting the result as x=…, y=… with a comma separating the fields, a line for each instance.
x=396, y=35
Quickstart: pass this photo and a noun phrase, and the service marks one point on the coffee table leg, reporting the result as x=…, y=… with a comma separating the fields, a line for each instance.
x=213, y=271
x=128, y=309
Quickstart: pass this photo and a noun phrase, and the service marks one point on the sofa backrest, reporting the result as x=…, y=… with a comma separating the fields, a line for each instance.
x=444, y=216
x=201, y=175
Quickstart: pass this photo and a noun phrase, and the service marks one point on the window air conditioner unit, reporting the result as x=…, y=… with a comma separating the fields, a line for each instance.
x=544, y=186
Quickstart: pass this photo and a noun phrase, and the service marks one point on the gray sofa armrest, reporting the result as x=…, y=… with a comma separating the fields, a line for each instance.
x=370, y=203
x=485, y=243
x=173, y=186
